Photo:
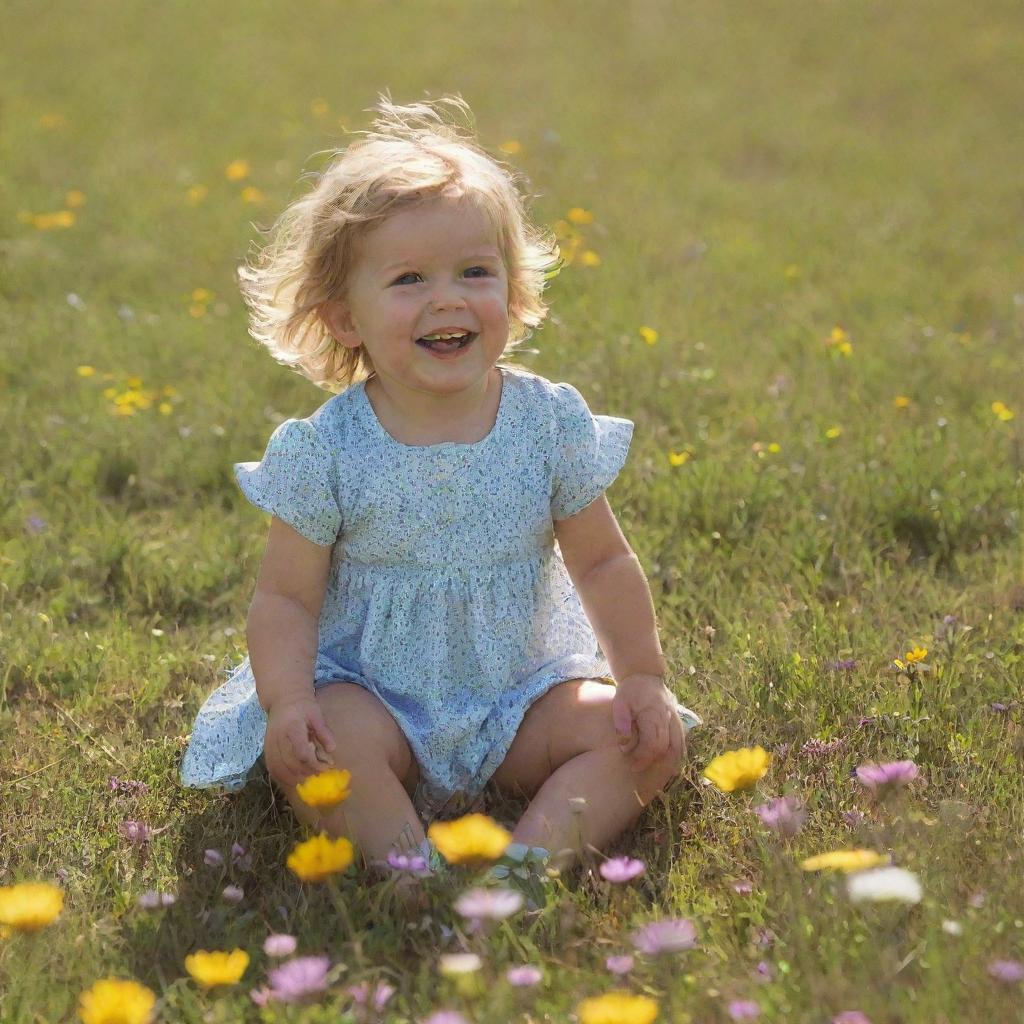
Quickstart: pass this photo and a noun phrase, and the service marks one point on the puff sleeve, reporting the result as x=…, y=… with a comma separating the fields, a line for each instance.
x=294, y=481
x=589, y=451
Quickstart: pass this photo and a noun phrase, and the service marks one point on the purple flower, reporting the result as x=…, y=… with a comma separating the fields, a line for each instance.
x=1010, y=972
x=853, y=818
x=362, y=995
x=743, y=887
x=151, y=899
x=850, y=1017
x=999, y=707
x=619, y=965
x=138, y=833
x=671, y=936
x=525, y=976
x=213, y=858
x=765, y=971
x=233, y=893
x=278, y=944
x=843, y=665
x=413, y=863
x=299, y=979
x=744, y=1009
x=764, y=937
x=35, y=525
x=241, y=859
x=445, y=1017
x=126, y=785
x=784, y=815
x=493, y=904
x=891, y=775
x=621, y=869
x=260, y=996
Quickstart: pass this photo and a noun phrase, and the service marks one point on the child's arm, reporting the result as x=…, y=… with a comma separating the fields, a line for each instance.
x=614, y=593
x=282, y=634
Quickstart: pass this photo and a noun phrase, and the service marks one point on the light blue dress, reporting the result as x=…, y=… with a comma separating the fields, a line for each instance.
x=447, y=596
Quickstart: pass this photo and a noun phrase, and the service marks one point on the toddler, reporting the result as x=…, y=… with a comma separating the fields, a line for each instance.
x=446, y=599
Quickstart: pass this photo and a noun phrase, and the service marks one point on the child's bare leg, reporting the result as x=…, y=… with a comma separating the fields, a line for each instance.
x=567, y=747
x=378, y=811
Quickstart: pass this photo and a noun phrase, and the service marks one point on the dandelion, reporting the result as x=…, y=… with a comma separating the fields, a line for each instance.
x=111, y=1001
x=744, y=1009
x=218, y=967
x=492, y=904
x=671, y=936
x=278, y=945
x=738, y=769
x=29, y=906
x=884, y=885
x=326, y=788
x=320, y=857
x=784, y=815
x=525, y=976
x=888, y=776
x=299, y=980
x=621, y=869
x=471, y=839
x=1009, y=972
x=843, y=860
x=619, y=965
x=649, y=334
x=617, y=1008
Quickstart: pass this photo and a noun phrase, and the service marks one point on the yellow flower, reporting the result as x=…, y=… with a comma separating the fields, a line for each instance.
x=116, y=1002
x=326, y=788
x=218, y=967
x=590, y=259
x=86, y=371
x=738, y=769
x=843, y=860
x=792, y=272
x=1002, y=411
x=319, y=107
x=917, y=654
x=649, y=334
x=580, y=216
x=320, y=857
x=471, y=839
x=52, y=120
x=201, y=295
x=511, y=147
x=838, y=336
x=833, y=432
x=197, y=310
x=901, y=402
x=74, y=198
x=237, y=170
x=165, y=408
x=617, y=1008
x=29, y=906
x=196, y=194
x=677, y=458
x=251, y=194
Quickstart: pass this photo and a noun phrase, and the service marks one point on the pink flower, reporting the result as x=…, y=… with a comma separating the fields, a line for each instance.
x=744, y=1009
x=891, y=775
x=445, y=1017
x=493, y=904
x=525, y=976
x=743, y=887
x=619, y=965
x=621, y=869
x=1010, y=972
x=671, y=936
x=279, y=945
x=362, y=994
x=765, y=971
x=850, y=1017
x=260, y=996
x=151, y=899
x=300, y=979
x=239, y=857
x=414, y=863
x=784, y=815
x=138, y=833
x=213, y=858
x=233, y=894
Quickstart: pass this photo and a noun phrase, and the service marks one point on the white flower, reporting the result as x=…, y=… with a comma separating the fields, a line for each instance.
x=459, y=963
x=952, y=927
x=884, y=884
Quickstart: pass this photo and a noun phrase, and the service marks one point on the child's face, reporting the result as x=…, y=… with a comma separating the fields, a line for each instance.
x=435, y=267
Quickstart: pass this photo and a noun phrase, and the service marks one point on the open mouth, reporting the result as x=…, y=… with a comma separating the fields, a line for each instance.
x=445, y=344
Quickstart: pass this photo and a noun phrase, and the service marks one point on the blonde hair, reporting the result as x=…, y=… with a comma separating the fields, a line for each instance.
x=411, y=154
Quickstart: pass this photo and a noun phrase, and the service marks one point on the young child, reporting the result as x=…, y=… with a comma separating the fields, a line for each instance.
x=440, y=552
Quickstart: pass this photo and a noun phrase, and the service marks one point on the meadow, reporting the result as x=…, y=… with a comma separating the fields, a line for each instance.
x=792, y=244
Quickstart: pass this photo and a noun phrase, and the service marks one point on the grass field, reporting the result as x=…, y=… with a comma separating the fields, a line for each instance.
x=816, y=207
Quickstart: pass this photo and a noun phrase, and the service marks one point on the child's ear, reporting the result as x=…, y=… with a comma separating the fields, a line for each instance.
x=338, y=320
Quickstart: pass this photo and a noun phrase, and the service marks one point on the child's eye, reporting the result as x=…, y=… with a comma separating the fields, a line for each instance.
x=484, y=271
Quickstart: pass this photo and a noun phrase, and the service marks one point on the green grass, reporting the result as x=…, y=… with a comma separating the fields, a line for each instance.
x=875, y=149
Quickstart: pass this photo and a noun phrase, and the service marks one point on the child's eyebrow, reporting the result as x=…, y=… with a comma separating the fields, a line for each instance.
x=479, y=254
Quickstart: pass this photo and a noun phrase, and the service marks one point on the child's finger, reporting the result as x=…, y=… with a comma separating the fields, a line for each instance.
x=652, y=745
x=322, y=734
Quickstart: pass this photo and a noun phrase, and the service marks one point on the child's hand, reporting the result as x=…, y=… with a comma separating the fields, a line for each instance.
x=294, y=729
x=645, y=717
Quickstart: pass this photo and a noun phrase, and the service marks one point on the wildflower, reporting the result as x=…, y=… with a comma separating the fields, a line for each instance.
x=671, y=936
x=843, y=665
x=1002, y=411
x=196, y=194
x=233, y=893
x=153, y=900
x=35, y=524
x=853, y=818
x=86, y=371
x=833, y=432
x=884, y=885
x=237, y=170
x=240, y=858
x=578, y=215
x=901, y=402
x=744, y=1009
x=649, y=334
x=414, y=863
x=822, y=748
x=298, y=980
x=362, y=995
x=493, y=904
x=111, y=1001
x=617, y=1008
x=742, y=887
x=251, y=194
x=213, y=858
x=510, y=146
x=764, y=971
x=278, y=945
x=738, y=769
x=326, y=788
x=954, y=928
x=850, y=1017
x=445, y=1017
x=1010, y=972
x=888, y=776
x=29, y=906
x=590, y=258
x=320, y=857
x=525, y=976
x=621, y=869
x=916, y=655
x=678, y=458
x=218, y=967
x=843, y=860
x=453, y=964
x=784, y=815
x=619, y=965
x=138, y=833
x=471, y=839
